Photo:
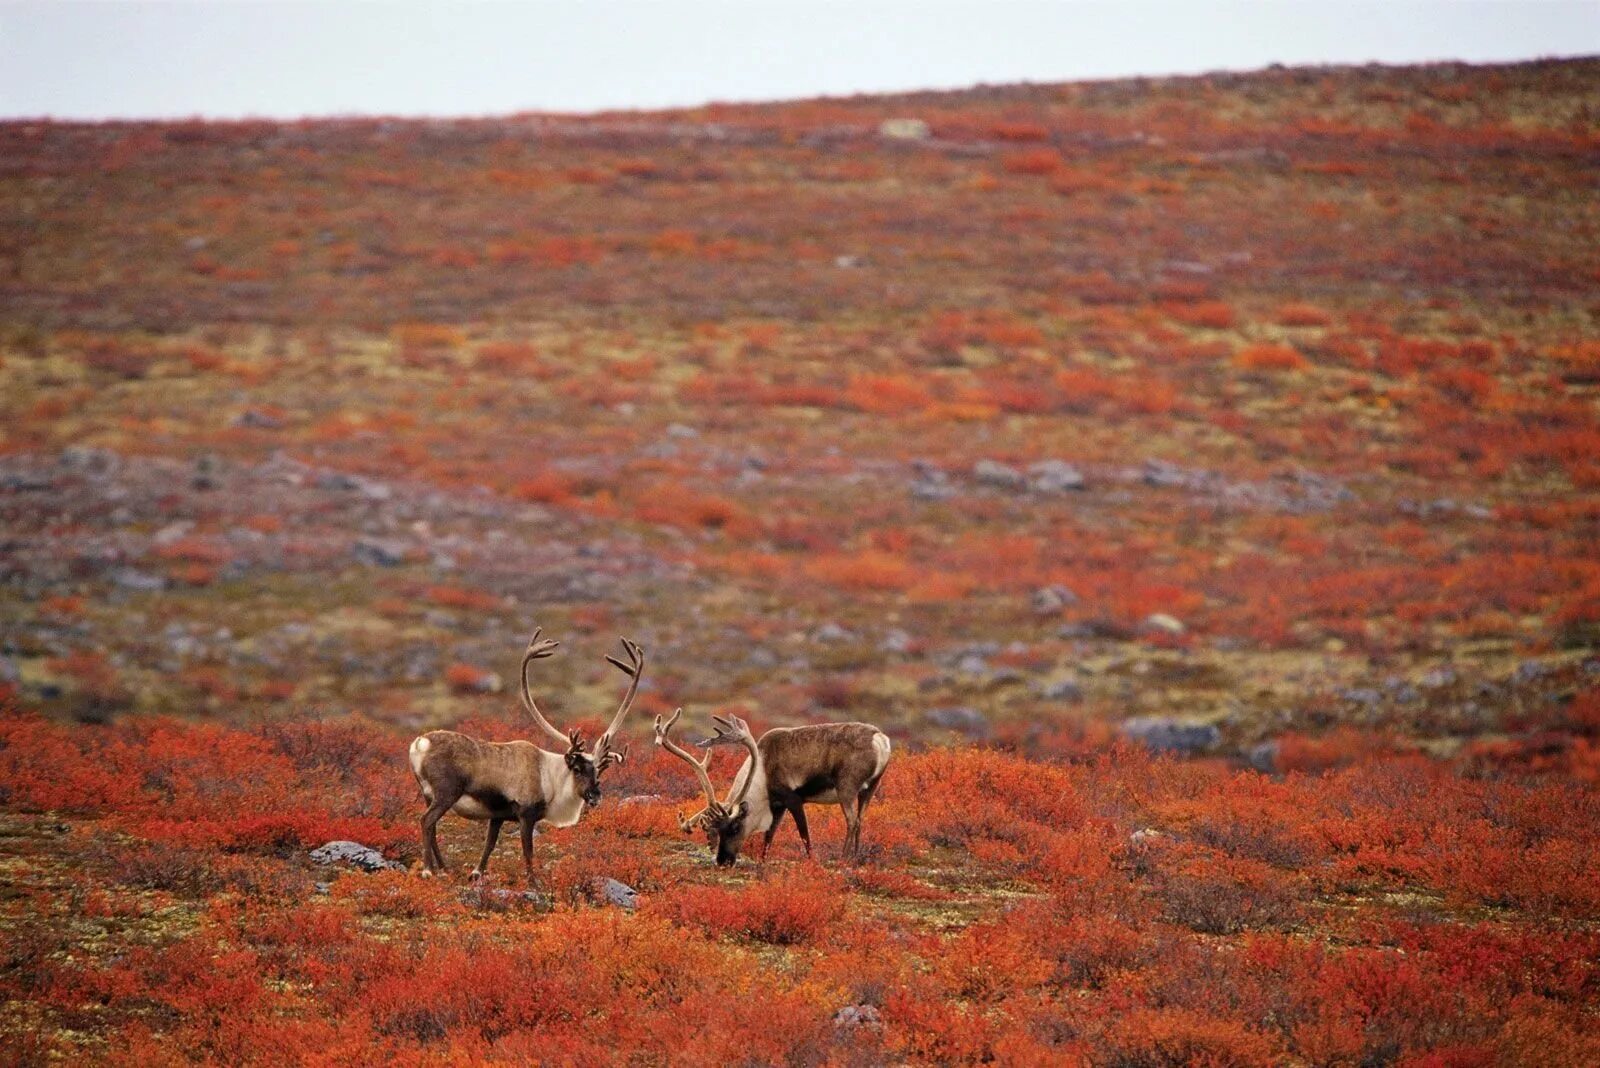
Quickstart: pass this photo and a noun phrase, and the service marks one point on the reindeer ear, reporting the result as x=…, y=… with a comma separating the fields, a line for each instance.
x=739, y=810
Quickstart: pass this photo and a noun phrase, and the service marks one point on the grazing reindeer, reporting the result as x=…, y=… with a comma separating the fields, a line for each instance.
x=500, y=781
x=788, y=769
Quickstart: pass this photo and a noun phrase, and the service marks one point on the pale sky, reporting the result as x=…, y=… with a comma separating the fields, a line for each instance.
x=230, y=59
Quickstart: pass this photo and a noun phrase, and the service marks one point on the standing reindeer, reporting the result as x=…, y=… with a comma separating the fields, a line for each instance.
x=500, y=781
x=789, y=768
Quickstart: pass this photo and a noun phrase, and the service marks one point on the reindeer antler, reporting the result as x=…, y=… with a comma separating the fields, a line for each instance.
x=538, y=650
x=664, y=740
x=634, y=669
x=731, y=730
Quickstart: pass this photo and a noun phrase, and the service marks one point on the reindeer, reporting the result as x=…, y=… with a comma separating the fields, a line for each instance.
x=500, y=781
x=789, y=768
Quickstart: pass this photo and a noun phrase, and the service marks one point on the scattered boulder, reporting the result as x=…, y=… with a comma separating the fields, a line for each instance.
x=1161, y=623
x=963, y=718
x=256, y=420
x=904, y=130
x=379, y=552
x=853, y=1016
x=1438, y=678
x=895, y=641
x=1529, y=670
x=1165, y=734
x=612, y=892
x=1066, y=690
x=830, y=633
x=1264, y=756
x=133, y=579
x=1054, y=476
x=999, y=475
x=1049, y=600
x=87, y=460
x=364, y=857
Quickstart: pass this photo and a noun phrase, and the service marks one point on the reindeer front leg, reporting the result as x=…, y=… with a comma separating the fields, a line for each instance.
x=489, y=840
x=528, y=832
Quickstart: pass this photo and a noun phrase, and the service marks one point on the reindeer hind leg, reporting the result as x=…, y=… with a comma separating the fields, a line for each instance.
x=489, y=840
x=443, y=799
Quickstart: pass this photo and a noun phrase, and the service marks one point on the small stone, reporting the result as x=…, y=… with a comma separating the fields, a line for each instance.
x=1438, y=678
x=830, y=633
x=87, y=460
x=963, y=718
x=1164, y=734
x=379, y=552
x=132, y=579
x=932, y=491
x=1050, y=600
x=1264, y=757
x=1161, y=623
x=617, y=893
x=1529, y=670
x=1054, y=476
x=972, y=664
x=853, y=1016
x=682, y=430
x=999, y=475
x=896, y=641
x=904, y=130
x=256, y=420
x=364, y=857
x=1061, y=690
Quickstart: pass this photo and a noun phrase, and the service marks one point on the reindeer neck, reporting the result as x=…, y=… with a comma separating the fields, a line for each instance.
x=756, y=797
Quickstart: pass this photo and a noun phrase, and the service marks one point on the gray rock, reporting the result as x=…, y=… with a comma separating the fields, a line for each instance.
x=830, y=633
x=1061, y=690
x=9, y=671
x=1164, y=734
x=256, y=420
x=207, y=472
x=1362, y=695
x=133, y=579
x=1529, y=670
x=1264, y=756
x=344, y=482
x=972, y=664
x=682, y=430
x=1163, y=473
x=617, y=893
x=1054, y=476
x=1049, y=600
x=904, y=130
x=895, y=641
x=323, y=888
x=963, y=718
x=999, y=475
x=379, y=552
x=1439, y=678
x=932, y=491
x=87, y=460
x=853, y=1016
x=1146, y=834
x=1161, y=623
x=640, y=799
x=364, y=857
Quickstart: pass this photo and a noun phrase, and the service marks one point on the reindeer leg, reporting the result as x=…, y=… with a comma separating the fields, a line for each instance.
x=799, y=813
x=432, y=859
x=528, y=832
x=488, y=847
x=766, y=841
x=851, y=803
x=867, y=794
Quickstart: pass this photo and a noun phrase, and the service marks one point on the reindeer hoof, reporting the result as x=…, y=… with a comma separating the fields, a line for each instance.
x=425, y=874
x=474, y=875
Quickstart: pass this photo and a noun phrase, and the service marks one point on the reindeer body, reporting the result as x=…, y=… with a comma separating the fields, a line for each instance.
x=789, y=768
x=500, y=781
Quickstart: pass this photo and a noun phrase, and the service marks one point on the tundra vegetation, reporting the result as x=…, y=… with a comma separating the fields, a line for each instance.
x=1197, y=479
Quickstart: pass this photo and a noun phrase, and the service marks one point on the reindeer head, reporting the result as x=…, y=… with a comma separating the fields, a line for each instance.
x=725, y=824
x=586, y=765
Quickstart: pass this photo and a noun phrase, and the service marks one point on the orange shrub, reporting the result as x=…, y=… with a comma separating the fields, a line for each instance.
x=1268, y=357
